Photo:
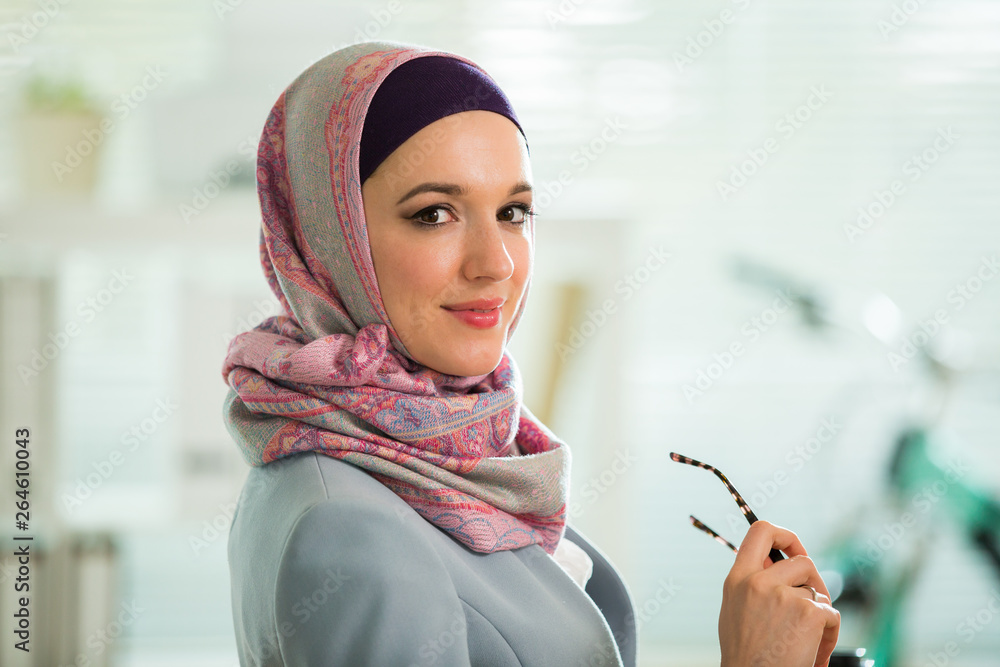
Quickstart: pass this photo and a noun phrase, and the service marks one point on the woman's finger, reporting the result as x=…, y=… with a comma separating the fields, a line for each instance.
x=798, y=571
x=823, y=620
x=813, y=594
x=759, y=540
x=831, y=632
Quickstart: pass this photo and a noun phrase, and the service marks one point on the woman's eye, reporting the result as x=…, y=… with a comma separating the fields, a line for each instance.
x=513, y=214
x=433, y=215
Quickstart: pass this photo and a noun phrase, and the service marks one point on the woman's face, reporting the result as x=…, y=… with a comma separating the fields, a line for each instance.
x=448, y=225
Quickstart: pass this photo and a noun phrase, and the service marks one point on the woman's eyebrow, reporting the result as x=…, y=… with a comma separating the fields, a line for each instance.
x=518, y=188
x=444, y=188
x=455, y=190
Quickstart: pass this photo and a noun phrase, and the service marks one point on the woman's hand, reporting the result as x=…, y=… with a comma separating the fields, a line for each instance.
x=766, y=620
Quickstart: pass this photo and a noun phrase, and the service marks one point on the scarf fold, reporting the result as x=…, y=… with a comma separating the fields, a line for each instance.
x=331, y=375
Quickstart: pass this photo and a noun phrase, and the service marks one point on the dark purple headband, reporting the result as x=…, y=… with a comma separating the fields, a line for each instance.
x=419, y=92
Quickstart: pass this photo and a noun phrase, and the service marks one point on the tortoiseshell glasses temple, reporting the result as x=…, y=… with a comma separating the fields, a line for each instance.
x=747, y=512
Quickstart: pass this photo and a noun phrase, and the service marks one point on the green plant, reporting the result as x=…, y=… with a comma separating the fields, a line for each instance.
x=50, y=95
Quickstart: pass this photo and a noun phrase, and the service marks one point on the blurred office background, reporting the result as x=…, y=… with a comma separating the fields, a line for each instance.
x=768, y=239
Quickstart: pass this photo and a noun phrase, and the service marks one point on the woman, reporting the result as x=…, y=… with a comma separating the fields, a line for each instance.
x=405, y=508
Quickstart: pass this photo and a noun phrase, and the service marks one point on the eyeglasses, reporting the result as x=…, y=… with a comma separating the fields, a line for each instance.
x=747, y=512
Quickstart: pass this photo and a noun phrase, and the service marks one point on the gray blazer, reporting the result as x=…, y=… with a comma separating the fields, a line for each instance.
x=329, y=567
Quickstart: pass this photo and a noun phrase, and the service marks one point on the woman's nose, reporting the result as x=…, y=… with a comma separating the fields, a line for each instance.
x=486, y=254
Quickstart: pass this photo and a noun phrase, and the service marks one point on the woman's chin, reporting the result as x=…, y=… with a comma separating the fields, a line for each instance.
x=473, y=362
x=466, y=369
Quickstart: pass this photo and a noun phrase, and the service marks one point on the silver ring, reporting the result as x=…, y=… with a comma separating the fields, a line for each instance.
x=811, y=590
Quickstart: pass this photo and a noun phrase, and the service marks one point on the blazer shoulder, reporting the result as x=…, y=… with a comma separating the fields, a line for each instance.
x=350, y=520
x=325, y=560
x=359, y=583
x=281, y=491
x=357, y=531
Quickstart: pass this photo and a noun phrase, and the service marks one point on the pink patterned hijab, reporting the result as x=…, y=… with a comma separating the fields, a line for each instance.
x=330, y=374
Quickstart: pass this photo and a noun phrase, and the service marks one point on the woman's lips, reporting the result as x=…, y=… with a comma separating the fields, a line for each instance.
x=478, y=319
x=477, y=304
x=481, y=313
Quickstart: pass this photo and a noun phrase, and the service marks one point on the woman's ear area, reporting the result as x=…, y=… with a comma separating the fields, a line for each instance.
x=378, y=186
x=378, y=208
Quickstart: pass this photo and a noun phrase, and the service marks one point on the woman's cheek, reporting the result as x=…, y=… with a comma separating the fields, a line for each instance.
x=423, y=294
x=523, y=263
